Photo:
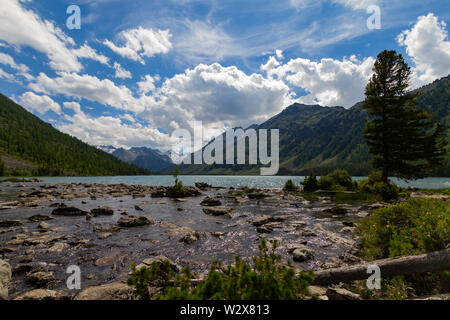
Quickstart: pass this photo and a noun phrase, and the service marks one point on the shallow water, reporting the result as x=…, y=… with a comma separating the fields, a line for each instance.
x=229, y=181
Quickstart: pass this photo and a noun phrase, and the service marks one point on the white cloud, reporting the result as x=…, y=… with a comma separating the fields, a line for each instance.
x=87, y=52
x=218, y=96
x=428, y=46
x=9, y=61
x=352, y=4
x=147, y=84
x=279, y=54
x=141, y=43
x=121, y=73
x=329, y=82
x=107, y=130
x=87, y=87
x=6, y=75
x=41, y=104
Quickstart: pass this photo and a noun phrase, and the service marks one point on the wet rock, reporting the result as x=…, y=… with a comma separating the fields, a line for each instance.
x=336, y=210
x=203, y=186
x=298, y=224
x=40, y=279
x=45, y=239
x=262, y=220
x=5, y=278
x=217, y=211
x=308, y=233
x=347, y=230
x=112, y=258
x=10, y=223
x=349, y=258
x=25, y=259
x=348, y=223
x=167, y=225
x=68, y=211
x=220, y=235
x=363, y=214
x=257, y=195
x=102, y=211
x=191, y=238
x=137, y=208
x=58, y=247
x=341, y=294
x=105, y=235
x=264, y=229
x=111, y=291
x=159, y=260
x=39, y=294
x=300, y=252
x=180, y=231
x=317, y=291
x=39, y=217
x=21, y=268
x=43, y=225
x=58, y=205
x=134, y=221
x=209, y=202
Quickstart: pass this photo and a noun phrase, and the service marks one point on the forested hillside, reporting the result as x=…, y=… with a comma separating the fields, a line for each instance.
x=26, y=138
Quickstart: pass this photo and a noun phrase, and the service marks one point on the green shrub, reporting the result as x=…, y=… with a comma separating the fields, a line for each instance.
x=266, y=279
x=177, y=191
x=374, y=184
x=338, y=180
x=310, y=184
x=290, y=186
x=407, y=228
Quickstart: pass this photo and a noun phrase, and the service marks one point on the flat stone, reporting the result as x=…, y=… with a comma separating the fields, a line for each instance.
x=40, y=279
x=134, y=221
x=217, y=211
x=10, y=223
x=110, y=291
x=38, y=294
x=5, y=278
x=103, y=211
x=69, y=211
x=341, y=294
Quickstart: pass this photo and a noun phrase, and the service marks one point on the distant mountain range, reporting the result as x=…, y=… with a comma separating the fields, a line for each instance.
x=29, y=146
x=144, y=157
x=321, y=139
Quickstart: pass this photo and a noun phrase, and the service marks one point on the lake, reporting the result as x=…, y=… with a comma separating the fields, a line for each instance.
x=228, y=181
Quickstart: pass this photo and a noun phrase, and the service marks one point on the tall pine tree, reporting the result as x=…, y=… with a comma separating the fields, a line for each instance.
x=404, y=141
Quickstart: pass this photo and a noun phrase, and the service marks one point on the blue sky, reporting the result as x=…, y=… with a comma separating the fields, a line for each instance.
x=137, y=70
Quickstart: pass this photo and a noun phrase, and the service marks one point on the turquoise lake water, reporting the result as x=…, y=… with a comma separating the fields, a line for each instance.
x=228, y=181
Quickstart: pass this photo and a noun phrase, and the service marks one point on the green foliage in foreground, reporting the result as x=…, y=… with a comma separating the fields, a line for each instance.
x=310, y=184
x=338, y=180
x=266, y=279
x=290, y=186
x=177, y=191
x=406, y=228
x=374, y=185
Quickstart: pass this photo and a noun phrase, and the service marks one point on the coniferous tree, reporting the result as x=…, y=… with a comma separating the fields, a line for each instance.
x=404, y=141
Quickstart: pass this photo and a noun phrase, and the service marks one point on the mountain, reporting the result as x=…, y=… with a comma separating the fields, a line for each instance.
x=107, y=149
x=143, y=157
x=322, y=139
x=29, y=146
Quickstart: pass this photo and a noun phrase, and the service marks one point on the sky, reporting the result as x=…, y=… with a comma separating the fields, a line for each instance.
x=137, y=70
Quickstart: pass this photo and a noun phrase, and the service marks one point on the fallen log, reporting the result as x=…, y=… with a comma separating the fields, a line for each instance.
x=428, y=262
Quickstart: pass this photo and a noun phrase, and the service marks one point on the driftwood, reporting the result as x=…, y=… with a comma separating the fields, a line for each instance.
x=429, y=262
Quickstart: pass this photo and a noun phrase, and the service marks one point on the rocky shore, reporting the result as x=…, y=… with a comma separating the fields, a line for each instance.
x=102, y=229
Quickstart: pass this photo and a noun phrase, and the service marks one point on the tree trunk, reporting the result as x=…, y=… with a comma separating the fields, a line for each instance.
x=429, y=262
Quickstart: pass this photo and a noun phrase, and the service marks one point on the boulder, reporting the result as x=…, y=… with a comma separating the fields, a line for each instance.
x=5, y=278
x=134, y=221
x=39, y=217
x=40, y=279
x=317, y=291
x=202, y=186
x=264, y=229
x=341, y=294
x=43, y=225
x=102, y=211
x=110, y=291
x=159, y=260
x=301, y=254
x=191, y=238
x=336, y=210
x=217, y=211
x=10, y=223
x=262, y=220
x=68, y=211
x=210, y=202
x=38, y=294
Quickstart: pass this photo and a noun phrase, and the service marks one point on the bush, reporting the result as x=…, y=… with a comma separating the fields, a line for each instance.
x=310, y=184
x=375, y=185
x=407, y=228
x=177, y=191
x=290, y=186
x=267, y=279
x=338, y=180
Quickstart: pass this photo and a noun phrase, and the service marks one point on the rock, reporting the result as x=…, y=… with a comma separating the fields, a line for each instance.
x=159, y=260
x=5, y=278
x=298, y=224
x=58, y=205
x=220, y=235
x=111, y=291
x=10, y=223
x=167, y=225
x=308, y=233
x=191, y=238
x=347, y=230
x=209, y=202
x=262, y=220
x=58, y=247
x=349, y=258
x=217, y=211
x=102, y=211
x=38, y=294
x=341, y=294
x=336, y=210
x=105, y=235
x=202, y=186
x=43, y=225
x=25, y=259
x=68, y=211
x=264, y=229
x=317, y=291
x=21, y=268
x=134, y=221
x=302, y=254
x=137, y=208
x=40, y=279
x=39, y=217
x=180, y=231
x=363, y=214
x=108, y=259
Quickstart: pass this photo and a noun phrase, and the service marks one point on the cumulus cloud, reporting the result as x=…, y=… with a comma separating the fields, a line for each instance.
x=141, y=43
x=86, y=51
x=7, y=76
x=9, y=61
x=108, y=130
x=40, y=104
x=352, y=4
x=147, y=84
x=217, y=96
x=428, y=45
x=121, y=73
x=87, y=87
x=329, y=82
